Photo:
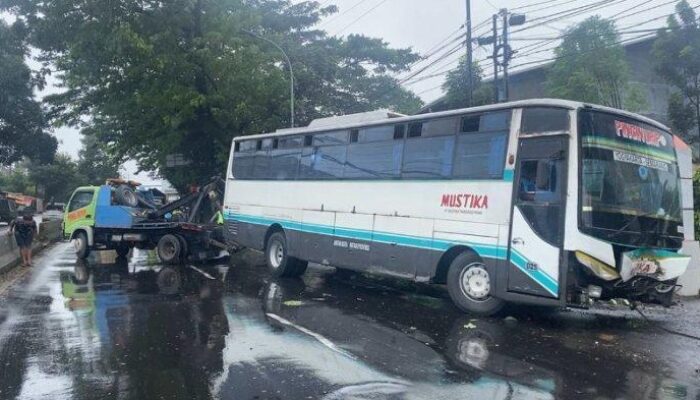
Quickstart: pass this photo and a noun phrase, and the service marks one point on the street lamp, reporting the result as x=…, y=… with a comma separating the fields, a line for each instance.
x=291, y=73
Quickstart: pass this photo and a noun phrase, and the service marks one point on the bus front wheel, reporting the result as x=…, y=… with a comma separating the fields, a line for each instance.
x=470, y=285
x=278, y=260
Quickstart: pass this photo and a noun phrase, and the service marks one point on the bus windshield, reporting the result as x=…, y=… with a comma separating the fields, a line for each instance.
x=630, y=188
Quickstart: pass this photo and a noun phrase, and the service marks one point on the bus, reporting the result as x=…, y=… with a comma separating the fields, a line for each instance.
x=543, y=202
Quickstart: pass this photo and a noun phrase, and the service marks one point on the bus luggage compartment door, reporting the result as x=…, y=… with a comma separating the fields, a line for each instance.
x=537, y=222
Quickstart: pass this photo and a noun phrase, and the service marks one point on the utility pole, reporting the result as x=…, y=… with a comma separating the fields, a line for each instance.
x=495, y=58
x=506, y=53
x=470, y=72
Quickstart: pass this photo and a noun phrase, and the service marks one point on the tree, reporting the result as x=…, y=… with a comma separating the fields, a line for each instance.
x=590, y=66
x=183, y=77
x=456, y=87
x=677, y=55
x=681, y=116
x=58, y=179
x=95, y=163
x=22, y=122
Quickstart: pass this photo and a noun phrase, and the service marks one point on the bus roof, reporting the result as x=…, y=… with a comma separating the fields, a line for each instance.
x=573, y=105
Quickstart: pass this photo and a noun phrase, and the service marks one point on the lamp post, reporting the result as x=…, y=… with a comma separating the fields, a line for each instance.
x=291, y=74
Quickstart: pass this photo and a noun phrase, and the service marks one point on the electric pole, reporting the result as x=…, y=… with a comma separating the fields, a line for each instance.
x=506, y=53
x=470, y=72
x=495, y=58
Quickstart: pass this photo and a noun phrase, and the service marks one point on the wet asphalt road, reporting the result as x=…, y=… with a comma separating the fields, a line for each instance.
x=136, y=330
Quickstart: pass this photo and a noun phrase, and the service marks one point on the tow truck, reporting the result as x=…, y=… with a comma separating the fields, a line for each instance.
x=117, y=216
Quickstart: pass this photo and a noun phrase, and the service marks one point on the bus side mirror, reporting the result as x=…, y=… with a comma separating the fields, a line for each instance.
x=544, y=172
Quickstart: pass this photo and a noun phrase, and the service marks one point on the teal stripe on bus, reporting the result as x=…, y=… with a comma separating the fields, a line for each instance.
x=484, y=250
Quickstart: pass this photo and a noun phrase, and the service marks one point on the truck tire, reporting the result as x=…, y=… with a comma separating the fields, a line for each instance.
x=81, y=246
x=125, y=195
x=184, y=249
x=470, y=286
x=278, y=261
x=169, y=281
x=169, y=249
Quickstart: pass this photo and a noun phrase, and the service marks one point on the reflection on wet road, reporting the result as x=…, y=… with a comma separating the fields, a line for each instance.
x=115, y=330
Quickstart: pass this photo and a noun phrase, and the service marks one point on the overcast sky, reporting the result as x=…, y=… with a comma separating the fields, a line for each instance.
x=425, y=25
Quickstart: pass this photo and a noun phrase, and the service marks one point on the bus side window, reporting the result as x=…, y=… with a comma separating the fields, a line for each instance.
x=538, y=181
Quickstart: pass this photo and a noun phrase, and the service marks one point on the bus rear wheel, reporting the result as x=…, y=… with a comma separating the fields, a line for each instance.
x=278, y=260
x=470, y=286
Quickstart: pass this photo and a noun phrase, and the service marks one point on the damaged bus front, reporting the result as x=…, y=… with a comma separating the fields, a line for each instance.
x=630, y=205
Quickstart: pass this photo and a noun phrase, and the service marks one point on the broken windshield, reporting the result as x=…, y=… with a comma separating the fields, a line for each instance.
x=629, y=180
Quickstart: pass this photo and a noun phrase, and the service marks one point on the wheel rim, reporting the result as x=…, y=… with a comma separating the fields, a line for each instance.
x=475, y=282
x=168, y=250
x=78, y=243
x=276, y=254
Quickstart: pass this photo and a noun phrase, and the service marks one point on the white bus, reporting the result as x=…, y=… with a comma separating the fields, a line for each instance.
x=545, y=202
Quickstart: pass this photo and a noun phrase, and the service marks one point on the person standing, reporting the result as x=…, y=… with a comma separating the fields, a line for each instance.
x=24, y=229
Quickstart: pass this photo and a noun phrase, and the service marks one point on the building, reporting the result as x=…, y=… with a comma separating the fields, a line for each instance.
x=529, y=83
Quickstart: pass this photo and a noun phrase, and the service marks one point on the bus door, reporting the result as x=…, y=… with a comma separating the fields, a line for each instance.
x=537, y=222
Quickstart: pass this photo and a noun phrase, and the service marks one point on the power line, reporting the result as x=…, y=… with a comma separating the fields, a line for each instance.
x=447, y=54
x=340, y=14
x=411, y=79
x=360, y=17
x=534, y=4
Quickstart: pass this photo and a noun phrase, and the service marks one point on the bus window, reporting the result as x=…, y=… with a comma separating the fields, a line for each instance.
x=374, y=160
x=439, y=127
x=330, y=138
x=324, y=162
x=284, y=164
x=429, y=157
x=415, y=129
x=538, y=181
x=480, y=155
x=481, y=147
x=544, y=119
x=290, y=142
x=376, y=133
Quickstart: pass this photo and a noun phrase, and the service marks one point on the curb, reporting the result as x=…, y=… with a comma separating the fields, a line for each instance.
x=37, y=248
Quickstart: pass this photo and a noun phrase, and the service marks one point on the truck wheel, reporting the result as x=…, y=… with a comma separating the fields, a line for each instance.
x=125, y=195
x=184, y=250
x=80, y=243
x=169, y=281
x=278, y=260
x=169, y=249
x=470, y=285
x=122, y=251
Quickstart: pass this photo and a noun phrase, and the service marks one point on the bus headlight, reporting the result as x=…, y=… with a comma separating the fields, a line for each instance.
x=599, y=268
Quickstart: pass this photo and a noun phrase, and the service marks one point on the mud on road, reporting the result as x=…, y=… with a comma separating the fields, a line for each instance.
x=110, y=329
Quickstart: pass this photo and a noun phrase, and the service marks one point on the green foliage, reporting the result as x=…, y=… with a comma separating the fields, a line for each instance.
x=183, y=77
x=456, y=87
x=22, y=124
x=95, y=163
x=591, y=66
x=58, y=179
x=682, y=117
x=677, y=56
x=17, y=180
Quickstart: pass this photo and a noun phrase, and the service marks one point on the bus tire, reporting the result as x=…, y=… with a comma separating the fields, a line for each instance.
x=80, y=243
x=169, y=249
x=470, y=285
x=277, y=259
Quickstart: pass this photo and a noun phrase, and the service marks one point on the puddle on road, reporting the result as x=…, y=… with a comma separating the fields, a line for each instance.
x=140, y=330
